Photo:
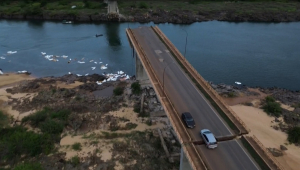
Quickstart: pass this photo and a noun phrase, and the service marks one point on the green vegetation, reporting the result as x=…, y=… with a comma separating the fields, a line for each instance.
x=29, y=166
x=54, y=7
x=136, y=108
x=272, y=107
x=136, y=88
x=76, y=146
x=17, y=141
x=3, y=120
x=294, y=135
x=254, y=155
x=149, y=122
x=129, y=126
x=118, y=91
x=75, y=161
x=143, y=5
x=129, y=7
x=48, y=120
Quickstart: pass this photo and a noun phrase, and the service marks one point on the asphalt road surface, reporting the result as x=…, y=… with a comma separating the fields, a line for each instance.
x=232, y=155
x=186, y=98
x=182, y=92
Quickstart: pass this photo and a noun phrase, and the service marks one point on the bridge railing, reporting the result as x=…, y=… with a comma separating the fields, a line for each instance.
x=204, y=84
x=265, y=155
x=190, y=150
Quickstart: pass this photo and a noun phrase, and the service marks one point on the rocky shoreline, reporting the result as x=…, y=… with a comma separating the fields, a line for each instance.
x=163, y=16
x=285, y=96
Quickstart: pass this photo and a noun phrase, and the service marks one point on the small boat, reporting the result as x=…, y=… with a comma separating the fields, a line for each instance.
x=99, y=35
x=67, y=22
x=237, y=82
x=24, y=72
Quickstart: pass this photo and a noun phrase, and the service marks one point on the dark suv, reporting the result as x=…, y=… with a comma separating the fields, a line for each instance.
x=188, y=120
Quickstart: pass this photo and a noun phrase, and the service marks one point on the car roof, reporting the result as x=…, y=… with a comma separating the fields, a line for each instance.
x=209, y=135
x=188, y=114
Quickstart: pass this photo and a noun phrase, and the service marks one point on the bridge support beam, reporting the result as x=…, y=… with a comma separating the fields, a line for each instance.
x=140, y=73
x=184, y=163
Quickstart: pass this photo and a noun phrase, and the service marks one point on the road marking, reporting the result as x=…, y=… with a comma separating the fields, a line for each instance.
x=157, y=51
x=173, y=59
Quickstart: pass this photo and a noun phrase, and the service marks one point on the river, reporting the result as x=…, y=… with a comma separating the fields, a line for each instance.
x=256, y=54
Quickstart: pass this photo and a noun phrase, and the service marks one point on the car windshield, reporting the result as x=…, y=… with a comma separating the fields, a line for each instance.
x=189, y=119
x=213, y=143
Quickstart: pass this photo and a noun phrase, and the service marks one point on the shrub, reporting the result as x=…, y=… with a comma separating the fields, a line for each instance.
x=136, y=88
x=3, y=119
x=271, y=107
x=17, y=141
x=118, y=91
x=294, y=135
x=43, y=3
x=149, y=122
x=143, y=5
x=36, y=118
x=76, y=146
x=143, y=114
x=52, y=127
x=61, y=115
x=64, y=2
x=33, y=9
x=130, y=125
x=75, y=160
x=29, y=166
x=136, y=108
x=270, y=99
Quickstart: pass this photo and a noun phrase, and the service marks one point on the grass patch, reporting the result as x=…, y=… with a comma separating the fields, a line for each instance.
x=254, y=155
x=76, y=146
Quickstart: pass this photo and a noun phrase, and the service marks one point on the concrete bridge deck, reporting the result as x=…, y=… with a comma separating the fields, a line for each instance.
x=179, y=94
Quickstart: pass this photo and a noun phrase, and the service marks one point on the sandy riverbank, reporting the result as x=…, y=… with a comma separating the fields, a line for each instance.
x=12, y=78
x=260, y=125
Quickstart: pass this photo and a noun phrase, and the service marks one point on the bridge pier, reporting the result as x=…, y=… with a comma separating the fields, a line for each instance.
x=184, y=163
x=140, y=73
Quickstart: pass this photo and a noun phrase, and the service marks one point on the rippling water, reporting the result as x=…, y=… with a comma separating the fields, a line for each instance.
x=256, y=54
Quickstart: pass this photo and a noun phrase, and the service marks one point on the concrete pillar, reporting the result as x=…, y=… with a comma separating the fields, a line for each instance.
x=184, y=163
x=140, y=72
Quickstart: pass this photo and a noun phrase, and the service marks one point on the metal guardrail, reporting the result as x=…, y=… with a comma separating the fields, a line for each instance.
x=206, y=86
x=267, y=152
x=168, y=106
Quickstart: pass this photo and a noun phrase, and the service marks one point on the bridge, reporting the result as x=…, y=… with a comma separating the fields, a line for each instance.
x=180, y=88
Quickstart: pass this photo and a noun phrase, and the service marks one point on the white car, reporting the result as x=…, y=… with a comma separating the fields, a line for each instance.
x=209, y=139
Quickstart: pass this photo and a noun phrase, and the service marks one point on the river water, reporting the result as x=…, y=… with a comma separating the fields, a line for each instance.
x=256, y=54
